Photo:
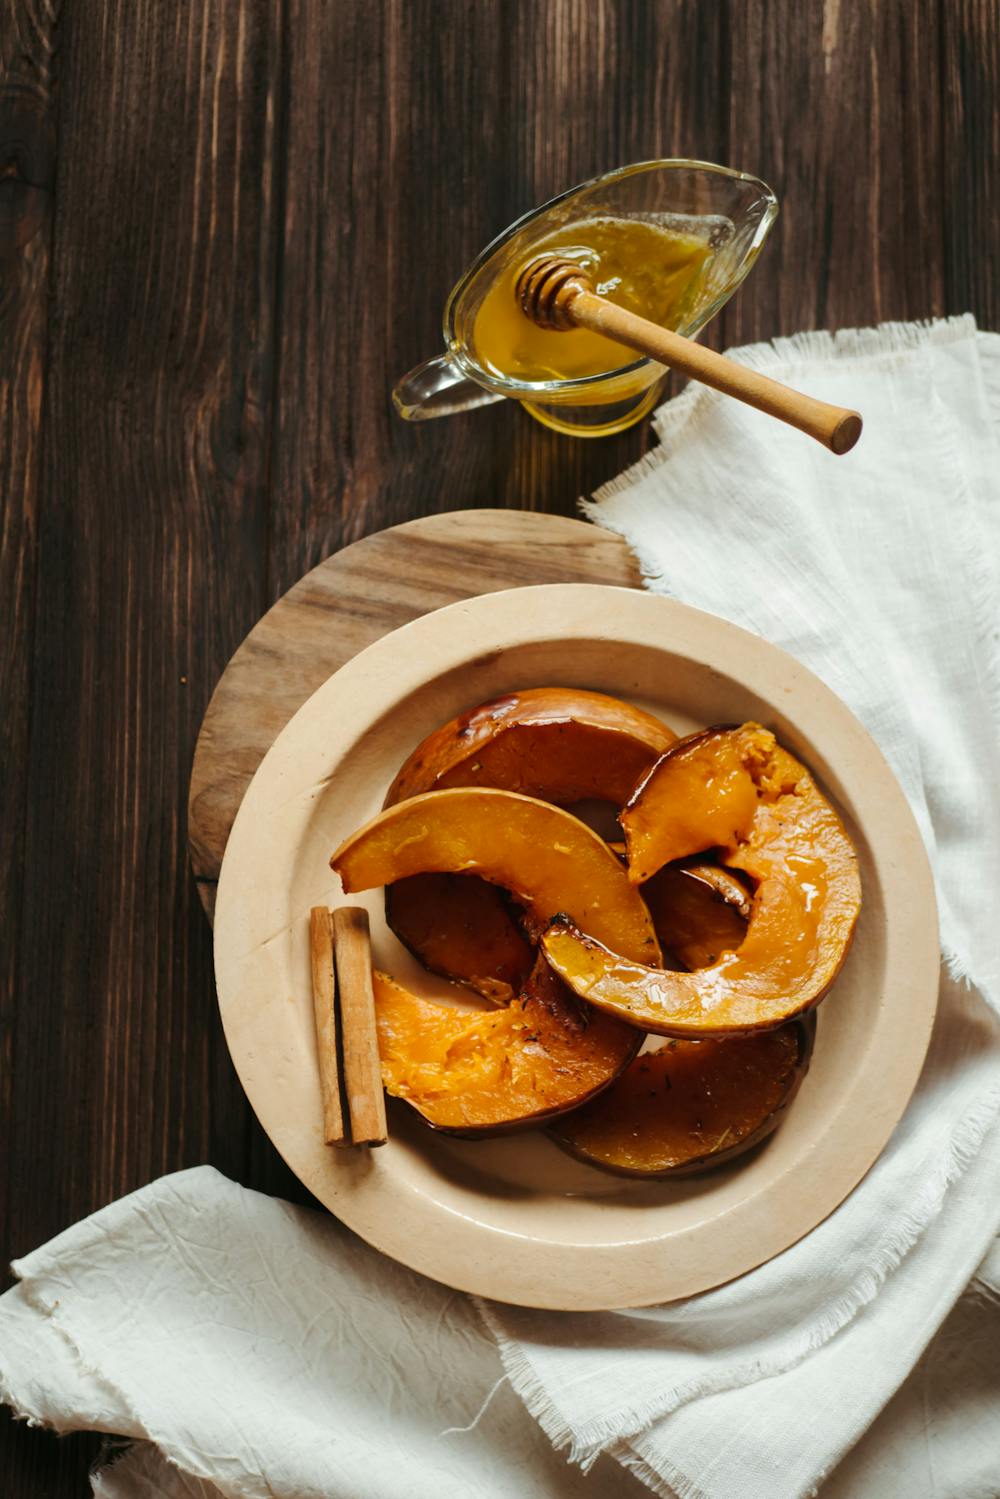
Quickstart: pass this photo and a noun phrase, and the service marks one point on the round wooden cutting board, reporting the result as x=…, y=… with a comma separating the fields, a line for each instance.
x=348, y=602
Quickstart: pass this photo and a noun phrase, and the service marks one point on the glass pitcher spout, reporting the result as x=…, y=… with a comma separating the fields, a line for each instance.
x=438, y=388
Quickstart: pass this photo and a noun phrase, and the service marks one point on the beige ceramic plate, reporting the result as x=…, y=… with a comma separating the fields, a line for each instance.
x=515, y=1218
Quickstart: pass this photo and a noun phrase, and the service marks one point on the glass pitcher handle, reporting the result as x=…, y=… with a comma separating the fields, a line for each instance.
x=438, y=388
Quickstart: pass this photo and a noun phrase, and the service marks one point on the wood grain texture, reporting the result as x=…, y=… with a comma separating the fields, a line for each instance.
x=347, y=602
x=850, y=139
x=28, y=104
x=150, y=545
x=224, y=231
x=27, y=130
x=969, y=60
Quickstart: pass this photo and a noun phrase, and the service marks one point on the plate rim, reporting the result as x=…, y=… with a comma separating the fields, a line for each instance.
x=389, y=669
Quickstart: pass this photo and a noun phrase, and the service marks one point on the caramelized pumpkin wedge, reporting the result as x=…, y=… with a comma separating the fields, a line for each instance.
x=698, y=911
x=691, y=1105
x=561, y=744
x=462, y=928
x=486, y=1072
x=804, y=909
x=700, y=794
x=548, y=859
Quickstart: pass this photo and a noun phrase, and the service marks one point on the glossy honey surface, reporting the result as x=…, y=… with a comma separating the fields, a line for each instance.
x=639, y=264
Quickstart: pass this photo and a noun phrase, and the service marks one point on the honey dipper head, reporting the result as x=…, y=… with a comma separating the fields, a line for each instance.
x=546, y=288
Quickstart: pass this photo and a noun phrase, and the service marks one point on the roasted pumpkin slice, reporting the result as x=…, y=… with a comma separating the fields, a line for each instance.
x=548, y=859
x=691, y=1105
x=560, y=744
x=700, y=794
x=803, y=913
x=698, y=911
x=463, y=928
x=486, y=1072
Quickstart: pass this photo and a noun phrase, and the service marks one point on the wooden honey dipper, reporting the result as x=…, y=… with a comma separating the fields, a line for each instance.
x=558, y=295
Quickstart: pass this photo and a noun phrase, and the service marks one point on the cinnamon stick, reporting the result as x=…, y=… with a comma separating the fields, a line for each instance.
x=362, y=1072
x=324, y=986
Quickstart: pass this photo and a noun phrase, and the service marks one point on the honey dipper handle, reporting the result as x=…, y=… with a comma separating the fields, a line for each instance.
x=834, y=426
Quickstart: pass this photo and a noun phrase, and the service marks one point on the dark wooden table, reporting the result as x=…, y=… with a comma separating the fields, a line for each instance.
x=226, y=226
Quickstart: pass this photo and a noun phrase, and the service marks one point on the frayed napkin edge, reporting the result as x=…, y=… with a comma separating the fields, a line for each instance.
x=584, y=1445
x=888, y=341
x=49, y=1310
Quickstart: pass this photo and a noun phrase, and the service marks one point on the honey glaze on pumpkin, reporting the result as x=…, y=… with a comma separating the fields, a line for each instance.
x=803, y=913
x=691, y=1104
x=702, y=793
x=562, y=744
x=698, y=912
x=546, y=858
x=792, y=846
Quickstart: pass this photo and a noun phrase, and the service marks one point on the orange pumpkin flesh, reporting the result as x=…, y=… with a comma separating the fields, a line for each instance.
x=691, y=1105
x=475, y=1073
x=462, y=928
x=804, y=910
x=560, y=744
x=698, y=912
x=698, y=795
x=548, y=859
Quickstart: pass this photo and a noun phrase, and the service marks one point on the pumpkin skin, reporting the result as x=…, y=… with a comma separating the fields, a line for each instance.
x=559, y=744
x=803, y=913
x=464, y=929
x=699, y=911
x=479, y=1073
x=691, y=1105
x=548, y=859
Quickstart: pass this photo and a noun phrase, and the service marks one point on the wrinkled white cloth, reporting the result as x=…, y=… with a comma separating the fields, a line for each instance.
x=262, y=1350
x=255, y=1349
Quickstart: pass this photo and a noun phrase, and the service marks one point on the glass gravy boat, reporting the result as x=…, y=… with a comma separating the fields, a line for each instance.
x=731, y=211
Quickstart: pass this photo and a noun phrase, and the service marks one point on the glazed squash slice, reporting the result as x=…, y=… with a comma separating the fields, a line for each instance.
x=559, y=744
x=804, y=908
x=547, y=858
x=691, y=1105
x=488, y=1072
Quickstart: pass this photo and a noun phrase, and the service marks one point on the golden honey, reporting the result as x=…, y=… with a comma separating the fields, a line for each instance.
x=641, y=265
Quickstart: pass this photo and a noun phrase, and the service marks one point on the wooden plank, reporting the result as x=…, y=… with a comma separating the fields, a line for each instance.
x=851, y=143
x=26, y=160
x=151, y=567
x=27, y=142
x=966, y=191
x=31, y=1465
x=417, y=130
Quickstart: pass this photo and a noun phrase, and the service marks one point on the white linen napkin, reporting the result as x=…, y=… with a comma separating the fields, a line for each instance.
x=879, y=570
x=257, y=1349
x=262, y=1350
